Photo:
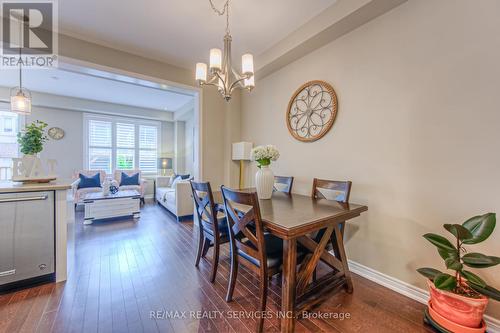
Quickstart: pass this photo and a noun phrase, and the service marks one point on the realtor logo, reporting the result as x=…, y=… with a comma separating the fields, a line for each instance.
x=29, y=34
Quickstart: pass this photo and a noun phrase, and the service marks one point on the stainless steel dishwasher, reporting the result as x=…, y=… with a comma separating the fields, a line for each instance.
x=27, y=247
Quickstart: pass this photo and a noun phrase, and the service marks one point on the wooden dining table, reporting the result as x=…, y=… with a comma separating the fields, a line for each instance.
x=295, y=218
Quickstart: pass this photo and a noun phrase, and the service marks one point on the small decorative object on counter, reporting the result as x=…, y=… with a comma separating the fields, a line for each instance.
x=458, y=300
x=264, y=178
x=29, y=168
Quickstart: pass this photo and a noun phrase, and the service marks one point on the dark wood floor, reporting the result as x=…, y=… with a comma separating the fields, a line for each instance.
x=124, y=270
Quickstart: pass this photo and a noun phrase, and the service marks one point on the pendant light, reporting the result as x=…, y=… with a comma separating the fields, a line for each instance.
x=20, y=98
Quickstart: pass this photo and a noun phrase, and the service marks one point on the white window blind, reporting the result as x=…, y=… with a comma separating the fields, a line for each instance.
x=148, y=155
x=117, y=143
x=100, y=145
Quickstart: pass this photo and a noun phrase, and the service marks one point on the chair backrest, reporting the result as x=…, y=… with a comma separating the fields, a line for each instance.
x=331, y=190
x=117, y=175
x=283, y=184
x=245, y=223
x=90, y=173
x=205, y=207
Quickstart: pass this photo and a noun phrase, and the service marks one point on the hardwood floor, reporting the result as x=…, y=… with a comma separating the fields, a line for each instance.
x=123, y=271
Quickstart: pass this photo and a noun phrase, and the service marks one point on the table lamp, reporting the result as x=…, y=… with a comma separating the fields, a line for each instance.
x=164, y=164
x=242, y=152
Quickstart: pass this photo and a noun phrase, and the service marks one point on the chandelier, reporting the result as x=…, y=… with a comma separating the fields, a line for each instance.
x=222, y=74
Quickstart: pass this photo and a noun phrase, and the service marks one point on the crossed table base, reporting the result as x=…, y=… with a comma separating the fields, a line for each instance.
x=294, y=218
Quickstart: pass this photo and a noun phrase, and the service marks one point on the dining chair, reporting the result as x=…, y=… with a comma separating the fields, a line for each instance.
x=212, y=224
x=283, y=184
x=250, y=245
x=330, y=190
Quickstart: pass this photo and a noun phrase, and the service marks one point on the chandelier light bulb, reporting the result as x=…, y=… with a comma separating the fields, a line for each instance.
x=201, y=72
x=247, y=64
x=215, y=59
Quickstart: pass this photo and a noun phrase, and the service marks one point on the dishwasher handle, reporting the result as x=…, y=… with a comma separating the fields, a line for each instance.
x=34, y=198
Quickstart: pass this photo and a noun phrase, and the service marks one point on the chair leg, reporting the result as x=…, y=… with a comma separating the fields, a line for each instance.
x=232, y=276
x=263, y=299
x=206, y=246
x=215, y=262
x=201, y=240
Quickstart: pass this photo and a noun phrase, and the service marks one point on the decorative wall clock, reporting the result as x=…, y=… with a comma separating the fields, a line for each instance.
x=311, y=111
x=56, y=133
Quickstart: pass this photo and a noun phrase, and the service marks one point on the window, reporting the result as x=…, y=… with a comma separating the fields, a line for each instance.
x=121, y=143
x=9, y=125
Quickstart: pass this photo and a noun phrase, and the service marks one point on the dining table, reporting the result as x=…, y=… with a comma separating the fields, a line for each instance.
x=298, y=220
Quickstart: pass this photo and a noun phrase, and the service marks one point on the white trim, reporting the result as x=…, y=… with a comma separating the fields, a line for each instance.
x=408, y=290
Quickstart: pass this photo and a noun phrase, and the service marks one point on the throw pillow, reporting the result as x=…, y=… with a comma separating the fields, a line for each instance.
x=86, y=182
x=176, y=180
x=129, y=180
x=184, y=177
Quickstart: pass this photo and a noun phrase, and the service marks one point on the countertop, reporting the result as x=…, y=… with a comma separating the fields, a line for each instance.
x=59, y=184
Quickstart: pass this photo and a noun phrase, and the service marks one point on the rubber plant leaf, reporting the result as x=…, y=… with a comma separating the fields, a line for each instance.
x=473, y=278
x=429, y=273
x=452, y=263
x=448, y=254
x=445, y=281
x=478, y=260
x=481, y=227
x=459, y=231
x=486, y=291
x=440, y=242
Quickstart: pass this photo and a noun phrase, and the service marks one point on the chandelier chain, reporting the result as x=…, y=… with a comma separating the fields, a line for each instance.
x=220, y=12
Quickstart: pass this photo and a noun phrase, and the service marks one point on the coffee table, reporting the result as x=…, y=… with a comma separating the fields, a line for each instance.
x=122, y=203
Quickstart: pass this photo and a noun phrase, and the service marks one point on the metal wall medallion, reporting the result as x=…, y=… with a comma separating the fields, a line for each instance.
x=311, y=111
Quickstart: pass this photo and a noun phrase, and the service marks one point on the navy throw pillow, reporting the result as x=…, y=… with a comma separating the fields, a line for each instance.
x=129, y=180
x=86, y=182
x=184, y=177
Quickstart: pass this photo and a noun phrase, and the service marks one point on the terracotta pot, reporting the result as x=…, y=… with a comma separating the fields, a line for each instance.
x=459, y=309
x=441, y=323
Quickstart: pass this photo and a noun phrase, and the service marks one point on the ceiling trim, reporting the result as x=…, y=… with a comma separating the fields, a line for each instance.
x=337, y=20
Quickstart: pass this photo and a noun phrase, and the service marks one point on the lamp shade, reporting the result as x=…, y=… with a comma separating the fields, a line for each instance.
x=165, y=163
x=242, y=151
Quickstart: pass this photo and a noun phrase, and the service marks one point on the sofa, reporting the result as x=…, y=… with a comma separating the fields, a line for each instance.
x=79, y=193
x=141, y=188
x=176, y=198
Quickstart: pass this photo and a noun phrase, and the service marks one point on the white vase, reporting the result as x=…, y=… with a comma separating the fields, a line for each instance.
x=264, y=182
x=105, y=187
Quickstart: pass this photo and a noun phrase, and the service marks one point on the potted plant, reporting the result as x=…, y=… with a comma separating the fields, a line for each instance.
x=458, y=300
x=264, y=178
x=32, y=138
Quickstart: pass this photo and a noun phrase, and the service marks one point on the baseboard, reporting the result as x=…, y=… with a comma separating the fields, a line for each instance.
x=408, y=290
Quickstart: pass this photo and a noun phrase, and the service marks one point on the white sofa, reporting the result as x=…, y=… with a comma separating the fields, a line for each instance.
x=177, y=199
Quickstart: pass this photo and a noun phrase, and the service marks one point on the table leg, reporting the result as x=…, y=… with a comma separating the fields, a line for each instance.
x=339, y=251
x=288, y=285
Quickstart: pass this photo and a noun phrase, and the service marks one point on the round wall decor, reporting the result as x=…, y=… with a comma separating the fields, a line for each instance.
x=311, y=111
x=56, y=133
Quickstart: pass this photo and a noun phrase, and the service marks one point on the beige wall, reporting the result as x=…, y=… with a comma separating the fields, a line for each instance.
x=417, y=130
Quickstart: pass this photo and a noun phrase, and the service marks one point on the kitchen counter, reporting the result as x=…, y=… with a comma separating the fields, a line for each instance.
x=56, y=185
x=63, y=204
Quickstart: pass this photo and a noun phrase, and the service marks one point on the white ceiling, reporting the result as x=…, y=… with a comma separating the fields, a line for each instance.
x=181, y=32
x=72, y=84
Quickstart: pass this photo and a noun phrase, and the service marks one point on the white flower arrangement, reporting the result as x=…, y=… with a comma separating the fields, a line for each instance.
x=265, y=154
